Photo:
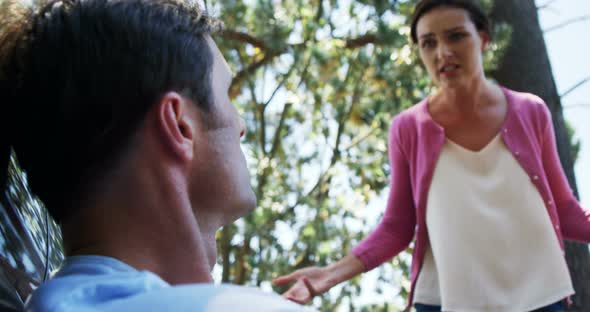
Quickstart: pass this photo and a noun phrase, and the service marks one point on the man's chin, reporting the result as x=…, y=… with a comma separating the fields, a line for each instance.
x=244, y=207
x=250, y=204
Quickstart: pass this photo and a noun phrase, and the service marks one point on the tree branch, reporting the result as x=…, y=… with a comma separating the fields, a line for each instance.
x=351, y=43
x=545, y=5
x=224, y=250
x=320, y=11
x=336, y=148
x=243, y=37
x=277, y=137
x=322, y=177
x=359, y=139
x=242, y=264
x=566, y=23
x=262, y=122
x=250, y=69
x=259, y=110
x=361, y=41
x=275, y=145
x=280, y=85
x=580, y=105
x=577, y=85
x=304, y=72
x=341, y=126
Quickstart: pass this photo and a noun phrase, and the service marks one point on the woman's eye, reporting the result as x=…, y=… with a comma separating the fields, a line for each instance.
x=428, y=43
x=456, y=36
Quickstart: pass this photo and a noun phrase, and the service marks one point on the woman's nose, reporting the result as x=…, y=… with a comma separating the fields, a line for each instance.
x=443, y=51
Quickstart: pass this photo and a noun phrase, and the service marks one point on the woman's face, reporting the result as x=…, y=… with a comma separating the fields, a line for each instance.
x=451, y=47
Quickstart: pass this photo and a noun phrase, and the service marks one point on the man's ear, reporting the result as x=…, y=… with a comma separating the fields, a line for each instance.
x=175, y=125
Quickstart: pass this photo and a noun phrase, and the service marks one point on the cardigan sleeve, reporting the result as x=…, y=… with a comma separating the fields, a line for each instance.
x=574, y=219
x=396, y=229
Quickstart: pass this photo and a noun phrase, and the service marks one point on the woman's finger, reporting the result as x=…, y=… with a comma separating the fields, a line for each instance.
x=285, y=279
x=310, y=288
x=298, y=295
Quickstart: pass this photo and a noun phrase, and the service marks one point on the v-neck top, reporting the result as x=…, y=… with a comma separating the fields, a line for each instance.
x=415, y=144
x=492, y=246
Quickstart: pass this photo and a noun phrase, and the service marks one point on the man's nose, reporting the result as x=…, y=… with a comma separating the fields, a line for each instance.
x=242, y=127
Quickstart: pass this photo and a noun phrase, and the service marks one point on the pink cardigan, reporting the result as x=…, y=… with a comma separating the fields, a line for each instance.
x=415, y=142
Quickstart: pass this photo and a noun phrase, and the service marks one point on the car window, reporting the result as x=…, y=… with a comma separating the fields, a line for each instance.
x=26, y=232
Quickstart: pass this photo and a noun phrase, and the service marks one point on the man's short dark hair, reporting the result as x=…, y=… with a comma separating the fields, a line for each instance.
x=82, y=77
x=476, y=14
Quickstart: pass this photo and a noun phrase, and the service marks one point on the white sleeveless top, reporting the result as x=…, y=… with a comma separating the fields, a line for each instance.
x=492, y=245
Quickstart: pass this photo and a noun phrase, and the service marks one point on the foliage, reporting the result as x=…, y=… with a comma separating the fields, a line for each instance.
x=317, y=83
x=575, y=143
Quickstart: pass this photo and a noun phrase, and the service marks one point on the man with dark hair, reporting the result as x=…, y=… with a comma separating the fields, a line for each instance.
x=119, y=112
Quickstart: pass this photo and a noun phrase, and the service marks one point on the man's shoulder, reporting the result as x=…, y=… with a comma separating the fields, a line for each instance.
x=86, y=282
x=102, y=284
x=248, y=299
x=209, y=298
x=190, y=297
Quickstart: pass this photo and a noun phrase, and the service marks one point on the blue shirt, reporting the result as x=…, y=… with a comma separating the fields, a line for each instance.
x=97, y=283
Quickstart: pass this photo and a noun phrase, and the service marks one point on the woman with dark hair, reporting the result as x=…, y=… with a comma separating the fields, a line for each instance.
x=476, y=179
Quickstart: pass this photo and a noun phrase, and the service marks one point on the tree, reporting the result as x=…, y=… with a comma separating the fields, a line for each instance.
x=527, y=55
x=318, y=83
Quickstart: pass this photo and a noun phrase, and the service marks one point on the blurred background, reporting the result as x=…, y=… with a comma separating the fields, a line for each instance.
x=318, y=82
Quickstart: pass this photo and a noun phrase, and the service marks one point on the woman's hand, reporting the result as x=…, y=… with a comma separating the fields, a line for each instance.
x=312, y=281
x=307, y=283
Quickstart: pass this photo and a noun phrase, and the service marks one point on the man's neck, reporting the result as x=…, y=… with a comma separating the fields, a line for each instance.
x=154, y=230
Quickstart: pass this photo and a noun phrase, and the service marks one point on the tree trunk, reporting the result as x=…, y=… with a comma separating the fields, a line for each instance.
x=525, y=67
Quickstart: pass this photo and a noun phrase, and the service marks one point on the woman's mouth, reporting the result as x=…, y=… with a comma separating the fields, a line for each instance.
x=449, y=69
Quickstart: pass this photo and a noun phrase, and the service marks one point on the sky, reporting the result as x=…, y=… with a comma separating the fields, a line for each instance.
x=569, y=51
